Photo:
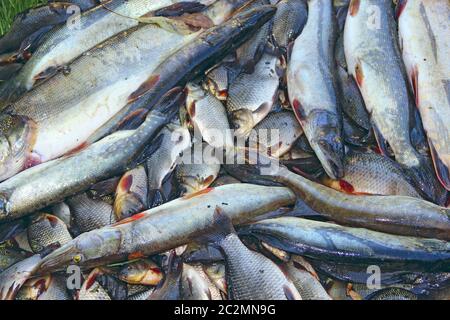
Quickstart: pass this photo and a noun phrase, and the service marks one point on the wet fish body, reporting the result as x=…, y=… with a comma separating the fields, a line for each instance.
x=312, y=86
x=424, y=34
x=42, y=185
x=182, y=221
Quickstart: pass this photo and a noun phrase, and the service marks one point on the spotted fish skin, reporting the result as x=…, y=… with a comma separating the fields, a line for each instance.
x=312, y=86
x=424, y=33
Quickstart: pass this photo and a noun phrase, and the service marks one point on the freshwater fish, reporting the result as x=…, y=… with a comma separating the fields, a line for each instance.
x=392, y=294
x=312, y=86
x=372, y=173
x=144, y=272
x=47, y=231
x=68, y=41
x=131, y=193
x=174, y=140
x=277, y=133
x=43, y=185
x=424, y=33
x=252, y=96
x=250, y=275
x=344, y=245
x=170, y=287
x=249, y=53
x=374, y=61
x=288, y=22
x=91, y=289
x=307, y=284
x=33, y=21
x=195, y=285
x=197, y=176
x=208, y=116
x=64, y=114
x=89, y=214
x=182, y=220
x=392, y=214
x=13, y=278
x=50, y=287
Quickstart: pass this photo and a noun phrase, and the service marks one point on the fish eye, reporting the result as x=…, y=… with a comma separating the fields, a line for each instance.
x=77, y=258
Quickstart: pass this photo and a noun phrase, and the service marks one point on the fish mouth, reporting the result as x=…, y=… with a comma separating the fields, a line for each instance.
x=58, y=259
x=330, y=158
x=326, y=141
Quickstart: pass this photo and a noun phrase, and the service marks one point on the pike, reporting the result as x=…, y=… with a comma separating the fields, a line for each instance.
x=170, y=225
x=374, y=60
x=399, y=215
x=51, y=182
x=67, y=42
x=312, y=86
x=424, y=33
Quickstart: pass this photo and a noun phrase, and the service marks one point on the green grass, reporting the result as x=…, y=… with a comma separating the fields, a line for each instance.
x=9, y=9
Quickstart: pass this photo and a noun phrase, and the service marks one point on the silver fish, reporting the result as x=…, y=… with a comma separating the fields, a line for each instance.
x=250, y=275
x=312, y=86
x=43, y=185
x=424, y=33
x=252, y=96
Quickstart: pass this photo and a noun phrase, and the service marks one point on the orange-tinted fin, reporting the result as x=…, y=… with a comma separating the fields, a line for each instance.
x=135, y=217
x=442, y=171
x=193, y=195
x=400, y=7
x=353, y=7
x=144, y=88
x=133, y=120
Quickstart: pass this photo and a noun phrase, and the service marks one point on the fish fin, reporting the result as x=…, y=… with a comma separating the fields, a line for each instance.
x=196, y=21
x=13, y=278
x=423, y=178
x=381, y=142
x=442, y=171
x=170, y=103
x=221, y=227
x=156, y=198
x=171, y=25
x=291, y=293
x=180, y=8
x=148, y=150
x=46, y=74
x=264, y=108
x=133, y=120
x=401, y=4
x=146, y=86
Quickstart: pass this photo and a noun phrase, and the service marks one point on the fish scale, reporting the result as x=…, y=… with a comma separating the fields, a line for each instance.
x=251, y=276
x=252, y=96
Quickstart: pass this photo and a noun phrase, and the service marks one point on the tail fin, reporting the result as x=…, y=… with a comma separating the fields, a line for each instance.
x=424, y=179
x=221, y=227
x=155, y=198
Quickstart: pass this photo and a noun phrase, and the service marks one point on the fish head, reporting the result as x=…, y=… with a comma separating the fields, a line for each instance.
x=127, y=205
x=216, y=82
x=141, y=272
x=243, y=122
x=85, y=250
x=17, y=135
x=325, y=139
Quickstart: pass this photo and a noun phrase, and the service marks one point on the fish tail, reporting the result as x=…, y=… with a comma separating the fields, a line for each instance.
x=221, y=227
x=422, y=176
x=156, y=198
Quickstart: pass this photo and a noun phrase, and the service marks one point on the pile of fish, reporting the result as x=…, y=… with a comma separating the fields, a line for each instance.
x=226, y=149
